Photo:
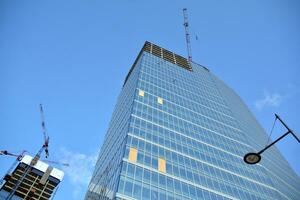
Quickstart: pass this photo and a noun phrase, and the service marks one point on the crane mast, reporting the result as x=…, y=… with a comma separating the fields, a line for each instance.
x=46, y=137
x=187, y=35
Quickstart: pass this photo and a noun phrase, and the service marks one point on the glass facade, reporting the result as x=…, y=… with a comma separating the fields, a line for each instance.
x=178, y=132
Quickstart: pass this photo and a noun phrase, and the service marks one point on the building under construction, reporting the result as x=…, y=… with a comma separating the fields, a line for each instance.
x=40, y=182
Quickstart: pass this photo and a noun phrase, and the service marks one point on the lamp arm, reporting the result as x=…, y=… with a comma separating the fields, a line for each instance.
x=290, y=130
x=261, y=151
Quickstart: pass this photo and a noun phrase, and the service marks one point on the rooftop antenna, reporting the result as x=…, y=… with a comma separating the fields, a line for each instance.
x=187, y=35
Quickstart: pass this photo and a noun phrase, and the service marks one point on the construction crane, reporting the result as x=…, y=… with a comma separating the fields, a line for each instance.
x=57, y=162
x=20, y=156
x=46, y=137
x=36, y=157
x=18, y=159
x=187, y=35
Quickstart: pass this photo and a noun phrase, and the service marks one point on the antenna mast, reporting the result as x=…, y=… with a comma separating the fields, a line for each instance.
x=187, y=34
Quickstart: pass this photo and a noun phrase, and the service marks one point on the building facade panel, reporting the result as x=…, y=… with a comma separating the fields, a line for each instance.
x=104, y=182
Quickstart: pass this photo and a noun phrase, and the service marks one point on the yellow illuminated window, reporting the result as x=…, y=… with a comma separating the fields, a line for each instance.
x=141, y=93
x=132, y=154
x=160, y=100
x=162, y=165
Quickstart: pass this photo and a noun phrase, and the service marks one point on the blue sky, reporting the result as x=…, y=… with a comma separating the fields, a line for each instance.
x=73, y=56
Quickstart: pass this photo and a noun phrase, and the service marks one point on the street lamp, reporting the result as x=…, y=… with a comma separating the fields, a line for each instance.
x=253, y=158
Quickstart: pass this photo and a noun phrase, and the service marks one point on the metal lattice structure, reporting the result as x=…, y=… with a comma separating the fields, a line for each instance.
x=187, y=34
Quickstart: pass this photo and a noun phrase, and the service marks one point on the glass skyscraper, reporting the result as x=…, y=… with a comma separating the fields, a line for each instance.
x=178, y=132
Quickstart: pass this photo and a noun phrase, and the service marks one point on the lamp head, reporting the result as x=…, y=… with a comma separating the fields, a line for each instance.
x=252, y=158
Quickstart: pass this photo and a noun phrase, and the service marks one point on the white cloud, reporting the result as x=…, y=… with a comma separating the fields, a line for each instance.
x=269, y=100
x=80, y=170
